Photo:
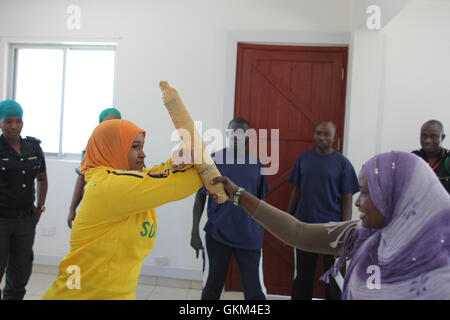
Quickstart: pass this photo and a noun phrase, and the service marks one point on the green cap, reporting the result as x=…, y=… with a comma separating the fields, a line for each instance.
x=107, y=112
x=10, y=108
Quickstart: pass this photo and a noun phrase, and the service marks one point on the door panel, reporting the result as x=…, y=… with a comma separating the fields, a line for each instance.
x=289, y=88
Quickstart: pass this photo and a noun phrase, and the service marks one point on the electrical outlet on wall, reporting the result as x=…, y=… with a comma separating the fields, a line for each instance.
x=48, y=231
x=161, y=261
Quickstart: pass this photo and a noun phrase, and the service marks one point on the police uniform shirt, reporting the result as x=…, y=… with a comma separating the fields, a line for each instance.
x=441, y=167
x=17, y=173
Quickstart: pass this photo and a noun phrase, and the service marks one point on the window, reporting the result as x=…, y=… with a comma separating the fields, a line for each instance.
x=62, y=90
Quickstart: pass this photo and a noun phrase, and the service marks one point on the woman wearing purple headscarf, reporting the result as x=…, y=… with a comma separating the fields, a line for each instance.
x=400, y=247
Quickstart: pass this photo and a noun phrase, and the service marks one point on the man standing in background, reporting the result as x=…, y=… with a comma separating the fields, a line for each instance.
x=431, y=137
x=229, y=229
x=324, y=182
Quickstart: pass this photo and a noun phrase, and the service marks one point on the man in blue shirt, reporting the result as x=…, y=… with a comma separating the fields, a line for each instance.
x=229, y=229
x=325, y=182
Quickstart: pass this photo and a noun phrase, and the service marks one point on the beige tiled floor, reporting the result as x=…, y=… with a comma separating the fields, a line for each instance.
x=40, y=282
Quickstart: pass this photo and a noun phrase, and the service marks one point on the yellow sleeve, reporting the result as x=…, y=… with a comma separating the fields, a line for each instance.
x=161, y=167
x=132, y=192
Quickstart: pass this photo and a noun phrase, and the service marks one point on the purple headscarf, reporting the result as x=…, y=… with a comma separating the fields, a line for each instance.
x=411, y=251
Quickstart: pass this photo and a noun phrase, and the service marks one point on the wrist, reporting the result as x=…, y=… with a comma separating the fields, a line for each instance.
x=237, y=195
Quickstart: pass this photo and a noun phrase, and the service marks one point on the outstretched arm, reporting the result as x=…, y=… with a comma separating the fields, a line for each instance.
x=151, y=188
x=308, y=237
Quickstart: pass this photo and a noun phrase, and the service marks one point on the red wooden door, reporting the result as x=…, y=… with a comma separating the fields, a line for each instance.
x=290, y=88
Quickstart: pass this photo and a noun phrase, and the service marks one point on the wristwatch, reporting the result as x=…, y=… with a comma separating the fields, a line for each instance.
x=41, y=208
x=237, y=195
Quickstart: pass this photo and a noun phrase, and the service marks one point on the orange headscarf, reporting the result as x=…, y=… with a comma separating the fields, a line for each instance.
x=109, y=145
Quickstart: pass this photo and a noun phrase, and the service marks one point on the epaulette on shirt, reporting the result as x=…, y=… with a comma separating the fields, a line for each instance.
x=33, y=139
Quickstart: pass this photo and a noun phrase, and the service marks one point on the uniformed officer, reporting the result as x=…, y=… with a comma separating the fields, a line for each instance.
x=21, y=162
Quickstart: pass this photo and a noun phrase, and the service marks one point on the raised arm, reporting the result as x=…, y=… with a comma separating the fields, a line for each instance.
x=135, y=192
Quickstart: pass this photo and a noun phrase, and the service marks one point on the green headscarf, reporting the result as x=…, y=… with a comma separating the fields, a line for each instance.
x=107, y=112
x=10, y=108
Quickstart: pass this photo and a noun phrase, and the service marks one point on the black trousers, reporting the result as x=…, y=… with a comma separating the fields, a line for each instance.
x=16, y=254
x=304, y=282
x=218, y=259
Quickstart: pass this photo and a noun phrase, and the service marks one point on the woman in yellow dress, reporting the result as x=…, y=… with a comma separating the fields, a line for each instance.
x=116, y=225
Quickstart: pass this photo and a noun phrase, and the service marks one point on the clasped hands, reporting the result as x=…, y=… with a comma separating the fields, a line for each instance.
x=183, y=157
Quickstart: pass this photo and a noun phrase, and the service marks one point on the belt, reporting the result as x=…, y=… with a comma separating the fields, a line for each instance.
x=8, y=213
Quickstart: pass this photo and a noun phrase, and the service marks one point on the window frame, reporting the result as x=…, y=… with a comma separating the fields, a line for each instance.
x=14, y=47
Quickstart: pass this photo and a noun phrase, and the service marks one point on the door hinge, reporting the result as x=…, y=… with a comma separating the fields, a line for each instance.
x=343, y=73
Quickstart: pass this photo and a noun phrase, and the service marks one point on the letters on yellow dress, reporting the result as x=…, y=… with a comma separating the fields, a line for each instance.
x=150, y=232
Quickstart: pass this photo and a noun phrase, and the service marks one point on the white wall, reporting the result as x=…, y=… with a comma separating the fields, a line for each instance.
x=192, y=44
x=388, y=11
x=363, y=96
x=417, y=80
x=398, y=78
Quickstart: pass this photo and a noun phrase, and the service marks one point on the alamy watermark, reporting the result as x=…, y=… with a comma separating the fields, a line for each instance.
x=373, y=22
x=74, y=280
x=374, y=280
x=73, y=22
